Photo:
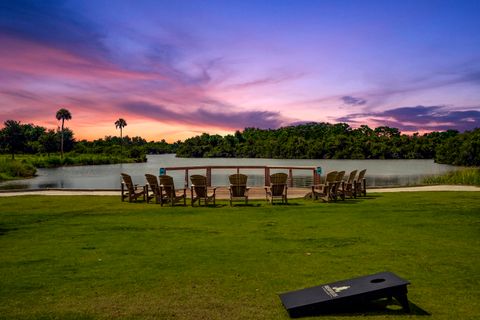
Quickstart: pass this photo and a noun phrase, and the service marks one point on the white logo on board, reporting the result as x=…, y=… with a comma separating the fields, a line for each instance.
x=340, y=289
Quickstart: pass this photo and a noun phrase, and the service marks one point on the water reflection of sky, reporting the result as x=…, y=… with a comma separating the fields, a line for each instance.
x=379, y=172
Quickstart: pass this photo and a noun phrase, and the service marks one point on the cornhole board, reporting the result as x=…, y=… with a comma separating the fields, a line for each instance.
x=346, y=294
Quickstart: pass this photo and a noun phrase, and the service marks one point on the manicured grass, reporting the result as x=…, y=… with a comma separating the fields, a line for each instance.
x=83, y=257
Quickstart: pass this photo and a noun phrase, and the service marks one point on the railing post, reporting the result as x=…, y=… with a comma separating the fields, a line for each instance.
x=209, y=176
x=290, y=176
x=238, y=170
x=316, y=177
x=267, y=176
x=186, y=178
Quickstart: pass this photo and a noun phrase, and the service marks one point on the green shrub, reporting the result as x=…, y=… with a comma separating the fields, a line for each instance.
x=14, y=169
x=54, y=161
x=468, y=176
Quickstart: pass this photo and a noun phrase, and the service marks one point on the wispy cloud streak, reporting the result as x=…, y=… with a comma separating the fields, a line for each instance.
x=204, y=117
x=419, y=118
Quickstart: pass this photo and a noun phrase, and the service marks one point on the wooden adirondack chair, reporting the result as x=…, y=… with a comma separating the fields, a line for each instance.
x=361, y=184
x=325, y=191
x=169, y=193
x=338, y=189
x=199, y=190
x=349, y=186
x=278, y=188
x=238, y=187
x=130, y=190
x=154, y=191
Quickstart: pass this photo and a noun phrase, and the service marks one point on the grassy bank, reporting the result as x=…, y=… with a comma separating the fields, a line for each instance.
x=15, y=169
x=104, y=259
x=24, y=165
x=467, y=176
x=72, y=159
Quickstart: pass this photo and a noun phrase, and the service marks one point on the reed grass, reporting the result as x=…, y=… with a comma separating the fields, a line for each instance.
x=14, y=169
x=467, y=176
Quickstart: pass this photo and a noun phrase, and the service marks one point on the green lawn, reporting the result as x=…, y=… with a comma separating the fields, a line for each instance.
x=85, y=257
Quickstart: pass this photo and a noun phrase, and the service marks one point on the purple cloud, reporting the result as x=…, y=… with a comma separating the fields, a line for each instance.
x=353, y=101
x=419, y=118
x=22, y=94
x=204, y=117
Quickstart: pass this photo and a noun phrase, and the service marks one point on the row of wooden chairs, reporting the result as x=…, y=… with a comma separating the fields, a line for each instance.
x=336, y=187
x=163, y=190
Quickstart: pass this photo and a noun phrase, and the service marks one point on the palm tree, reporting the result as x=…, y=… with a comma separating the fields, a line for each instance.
x=63, y=114
x=121, y=123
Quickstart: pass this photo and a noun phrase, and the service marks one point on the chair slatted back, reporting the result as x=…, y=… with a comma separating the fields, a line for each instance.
x=199, y=184
x=361, y=175
x=153, y=183
x=278, y=183
x=351, y=177
x=167, y=184
x=238, y=184
x=331, y=177
x=340, y=176
x=127, y=180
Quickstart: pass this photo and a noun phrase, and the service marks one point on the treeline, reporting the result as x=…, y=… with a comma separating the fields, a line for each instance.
x=306, y=141
x=30, y=139
x=338, y=141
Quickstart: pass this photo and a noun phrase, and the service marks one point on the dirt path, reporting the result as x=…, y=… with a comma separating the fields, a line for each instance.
x=222, y=192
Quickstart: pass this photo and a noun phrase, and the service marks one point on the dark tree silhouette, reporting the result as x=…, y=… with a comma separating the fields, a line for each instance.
x=63, y=114
x=13, y=136
x=120, y=124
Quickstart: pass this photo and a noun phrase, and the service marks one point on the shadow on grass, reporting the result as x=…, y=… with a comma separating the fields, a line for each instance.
x=373, y=308
x=275, y=204
x=252, y=205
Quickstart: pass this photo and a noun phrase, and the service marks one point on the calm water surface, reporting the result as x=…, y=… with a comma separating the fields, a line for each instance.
x=379, y=172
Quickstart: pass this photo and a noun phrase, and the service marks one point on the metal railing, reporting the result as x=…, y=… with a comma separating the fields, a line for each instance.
x=267, y=169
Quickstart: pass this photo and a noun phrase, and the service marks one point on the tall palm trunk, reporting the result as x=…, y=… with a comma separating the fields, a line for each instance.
x=121, y=142
x=61, y=145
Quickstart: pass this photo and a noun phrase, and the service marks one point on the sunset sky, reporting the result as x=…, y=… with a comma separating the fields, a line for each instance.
x=174, y=69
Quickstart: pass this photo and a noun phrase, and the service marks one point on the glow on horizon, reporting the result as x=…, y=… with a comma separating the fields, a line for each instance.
x=177, y=69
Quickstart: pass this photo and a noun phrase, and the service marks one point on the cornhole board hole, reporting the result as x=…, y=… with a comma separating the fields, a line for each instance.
x=345, y=295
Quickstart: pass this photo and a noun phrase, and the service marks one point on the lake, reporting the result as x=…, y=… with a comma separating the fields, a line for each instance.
x=379, y=172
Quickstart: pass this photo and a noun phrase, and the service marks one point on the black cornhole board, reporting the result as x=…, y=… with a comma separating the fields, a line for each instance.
x=346, y=294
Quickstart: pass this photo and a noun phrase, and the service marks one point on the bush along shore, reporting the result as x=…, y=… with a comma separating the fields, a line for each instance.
x=25, y=166
x=467, y=176
x=14, y=169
